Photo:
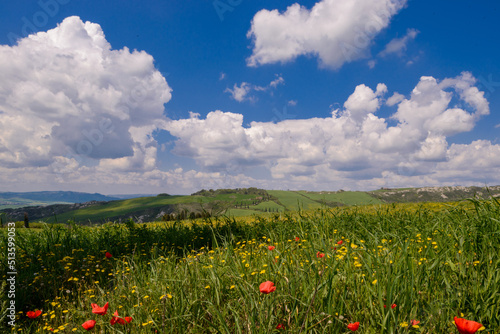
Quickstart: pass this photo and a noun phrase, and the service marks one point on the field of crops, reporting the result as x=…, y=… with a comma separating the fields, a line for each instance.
x=391, y=268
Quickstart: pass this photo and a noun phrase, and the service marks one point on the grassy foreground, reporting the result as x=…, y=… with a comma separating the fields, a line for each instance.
x=381, y=266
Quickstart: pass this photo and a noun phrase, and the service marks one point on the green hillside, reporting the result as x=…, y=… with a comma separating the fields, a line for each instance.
x=342, y=197
x=293, y=200
x=235, y=202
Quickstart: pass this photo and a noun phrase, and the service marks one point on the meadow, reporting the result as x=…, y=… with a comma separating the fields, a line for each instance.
x=399, y=268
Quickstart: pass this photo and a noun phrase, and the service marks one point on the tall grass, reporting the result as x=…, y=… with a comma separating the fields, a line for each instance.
x=383, y=266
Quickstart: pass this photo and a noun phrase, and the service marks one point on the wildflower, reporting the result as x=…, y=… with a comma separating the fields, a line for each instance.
x=108, y=255
x=414, y=323
x=99, y=310
x=33, y=314
x=267, y=287
x=354, y=326
x=297, y=239
x=117, y=319
x=466, y=326
x=271, y=247
x=89, y=324
x=320, y=255
x=393, y=306
x=280, y=326
x=340, y=242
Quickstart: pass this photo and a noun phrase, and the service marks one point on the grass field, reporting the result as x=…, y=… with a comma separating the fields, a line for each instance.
x=345, y=197
x=294, y=200
x=384, y=266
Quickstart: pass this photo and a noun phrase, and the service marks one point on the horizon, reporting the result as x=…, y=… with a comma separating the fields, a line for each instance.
x=125, y=98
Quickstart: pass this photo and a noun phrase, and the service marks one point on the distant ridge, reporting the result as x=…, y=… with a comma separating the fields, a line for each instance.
x=50, y=197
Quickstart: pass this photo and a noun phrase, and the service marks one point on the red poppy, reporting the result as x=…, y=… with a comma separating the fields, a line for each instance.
x=414, y=322
x=99, y=310
x=89, y=324
x=393, y=305
x=354, y=326
x=466, y=326
x=340, y=242
x=320, y=255
x=117, y=319
x=280, y=326
x=271, y=247
x=108, y=255
x=297, y=239
x=33, y=314
x=267, y=287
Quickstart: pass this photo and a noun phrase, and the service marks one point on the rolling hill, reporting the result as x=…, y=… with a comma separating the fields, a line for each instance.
x=234, y=202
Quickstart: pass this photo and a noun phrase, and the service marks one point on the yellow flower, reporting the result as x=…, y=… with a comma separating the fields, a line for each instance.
x=403, y=324
x=374, y=282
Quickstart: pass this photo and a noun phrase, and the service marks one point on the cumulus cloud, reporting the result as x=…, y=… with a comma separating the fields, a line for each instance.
x=398, y=45
x=354, y=146
x=67, y=97
x=335, y=31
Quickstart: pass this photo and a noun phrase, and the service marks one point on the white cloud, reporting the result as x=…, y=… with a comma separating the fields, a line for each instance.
x=67, y=97
x=335, y=31
x=394, y=99
x=278, y=81
x=292, y=103
x=398, y=45
x=353, y=147
x=241, y=93
x=364, y=101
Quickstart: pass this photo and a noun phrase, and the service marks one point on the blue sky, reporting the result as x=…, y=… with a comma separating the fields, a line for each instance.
x=175, y=96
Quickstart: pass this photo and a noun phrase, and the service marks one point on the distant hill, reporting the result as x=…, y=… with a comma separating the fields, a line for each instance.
x=231, y=202
x=40, y=198
x=434, y=194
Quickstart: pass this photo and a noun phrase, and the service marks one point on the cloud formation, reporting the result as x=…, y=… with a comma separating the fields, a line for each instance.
x=335, y=31
x=398, y=45
x=241, y=93
x=66, y=98
x=353, y=146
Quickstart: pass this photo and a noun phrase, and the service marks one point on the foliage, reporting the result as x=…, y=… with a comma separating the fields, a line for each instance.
x=381, y=266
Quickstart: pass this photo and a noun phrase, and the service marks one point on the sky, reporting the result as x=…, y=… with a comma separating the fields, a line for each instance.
x=129, y=97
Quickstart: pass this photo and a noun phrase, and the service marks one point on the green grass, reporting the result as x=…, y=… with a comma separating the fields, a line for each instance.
x=269, y=205
x=294, y=200
x=346, y=197
x=433, y=261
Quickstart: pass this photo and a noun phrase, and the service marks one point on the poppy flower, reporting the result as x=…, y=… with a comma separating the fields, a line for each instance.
x=297, y=239
x=340, y=242
x=108, y=255
x=466, y=326
x=33, y=314
x=280, y=326
x=414, y=322
x=271, y=247
x=354, y=326
x=89, y=324
x=267, y=287
x=393, y=306
x=99, y=310
x=117, y=319
x=320, y=255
